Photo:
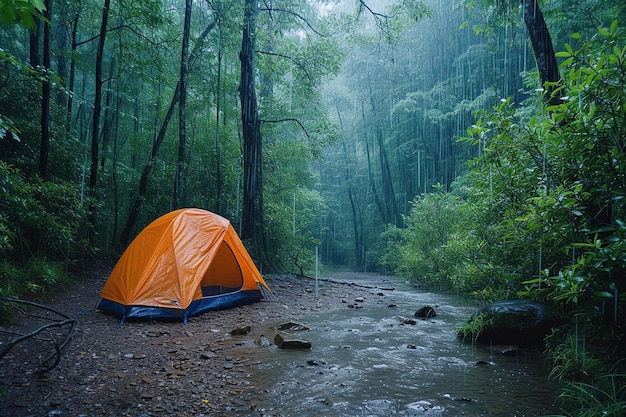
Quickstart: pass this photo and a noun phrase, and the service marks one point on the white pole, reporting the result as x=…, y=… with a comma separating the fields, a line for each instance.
x=316, y=274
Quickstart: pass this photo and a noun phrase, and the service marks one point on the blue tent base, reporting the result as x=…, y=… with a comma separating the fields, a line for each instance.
x=197, y=307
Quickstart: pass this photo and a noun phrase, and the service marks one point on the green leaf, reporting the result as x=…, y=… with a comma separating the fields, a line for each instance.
x=603, y=294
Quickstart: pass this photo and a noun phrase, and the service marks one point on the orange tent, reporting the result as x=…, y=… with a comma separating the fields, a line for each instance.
x=184, y=263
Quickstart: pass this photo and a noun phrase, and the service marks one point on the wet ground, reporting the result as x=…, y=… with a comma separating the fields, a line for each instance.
x=369, y=357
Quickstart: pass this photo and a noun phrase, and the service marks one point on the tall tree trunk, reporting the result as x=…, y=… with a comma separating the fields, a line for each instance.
x=135, y=209
x=97, y=107
x=252, y=221
x=391, y=207
x=218, y=151
x=182, y=107
x=357, y=218
x=45, y=95
x=70, y=85
x=34, y=36
x=143, y=182
x=542, y=47
x=107, y=122
x=61, y=44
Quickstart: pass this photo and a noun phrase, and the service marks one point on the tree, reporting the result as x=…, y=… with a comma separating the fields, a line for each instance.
x=95, y=129
x=182, y=106
x=542, y=48
x=252, y=224
x=45, y=95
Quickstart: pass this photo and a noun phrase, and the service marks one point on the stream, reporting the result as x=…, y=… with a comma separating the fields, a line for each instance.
x=365, y=362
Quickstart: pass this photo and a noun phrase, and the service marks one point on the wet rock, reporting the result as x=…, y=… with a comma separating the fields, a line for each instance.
x=523, y=323
x=509, y=351
x=262, y=341
x=241, y=331
x=283, y=343
x=406, y=321
x=420, y=406
x=291, y=327
x=392, y=306
x=481, y=362
x=425, y=312
x=208, y=355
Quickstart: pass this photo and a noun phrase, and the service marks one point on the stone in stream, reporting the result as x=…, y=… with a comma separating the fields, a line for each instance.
x=522, y=323
x=291, y=327
x=283, y=343
x=425, y=312
x=404, y=320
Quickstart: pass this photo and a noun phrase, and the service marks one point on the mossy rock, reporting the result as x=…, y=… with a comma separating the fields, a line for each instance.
x=522, y=323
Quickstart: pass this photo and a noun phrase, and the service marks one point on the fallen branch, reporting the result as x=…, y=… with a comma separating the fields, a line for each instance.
x=45, y=364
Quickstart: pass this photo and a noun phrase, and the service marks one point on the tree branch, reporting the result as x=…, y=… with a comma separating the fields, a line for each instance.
x=289, y=120
x=151, y=42
x=44, y=367
x=298, y=64
x=306, y=22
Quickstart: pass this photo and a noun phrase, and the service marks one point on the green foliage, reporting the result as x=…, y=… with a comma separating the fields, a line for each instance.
x=603, y=397
x=473, y=328
x=40, y=232
x=571, y=359
x=423, y=254
x=584, y=210
x=22, y=12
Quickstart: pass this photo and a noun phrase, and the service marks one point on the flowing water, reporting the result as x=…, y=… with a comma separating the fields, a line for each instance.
x=364, y=362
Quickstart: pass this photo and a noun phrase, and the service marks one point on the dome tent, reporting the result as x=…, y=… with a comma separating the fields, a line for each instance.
x=184, y=263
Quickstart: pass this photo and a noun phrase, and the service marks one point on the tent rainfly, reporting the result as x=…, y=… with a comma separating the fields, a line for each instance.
x=184, y=263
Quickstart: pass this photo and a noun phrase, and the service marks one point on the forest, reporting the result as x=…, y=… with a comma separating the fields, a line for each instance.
x=476, y=146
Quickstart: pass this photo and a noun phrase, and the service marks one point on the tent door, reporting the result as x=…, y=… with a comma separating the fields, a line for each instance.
x=224, y=274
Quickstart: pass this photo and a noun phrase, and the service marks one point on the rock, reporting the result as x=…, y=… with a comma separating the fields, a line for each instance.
x=510, y=351
x=404, y=320
x=208, y=355
x=241, y=331
x=425, y=312
x=262, y=341
x=359, y=300
x=291, y=327
x=522, y=323
x=283, y=343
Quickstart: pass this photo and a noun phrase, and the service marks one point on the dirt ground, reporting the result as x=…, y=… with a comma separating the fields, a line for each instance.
x=155, y=369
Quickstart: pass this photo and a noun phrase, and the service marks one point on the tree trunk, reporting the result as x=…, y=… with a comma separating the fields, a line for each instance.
x=34, y=36
x=252, y=221
x=70, y=86
x=61, y=44
x=107, y=122
x=542, y=47
x=143, y=182
x=357, y=218
x=218, y=151
x=135, y=209
x=93, y=176
x=182, y=107
x=391, y=208
x=45, y=95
